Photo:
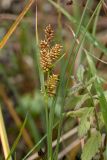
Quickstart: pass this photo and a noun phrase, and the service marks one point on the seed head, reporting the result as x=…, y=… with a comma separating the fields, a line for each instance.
x=49, y=33
x=45, y=60
x=55, y=52
x=52, y=85
x=44, y=44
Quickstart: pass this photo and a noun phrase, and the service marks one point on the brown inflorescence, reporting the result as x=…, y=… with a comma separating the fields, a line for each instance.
x=45, y=60
x=48, y=56
x=55, y=52
x=49, y=33
x=44, y=44
x=52, y=85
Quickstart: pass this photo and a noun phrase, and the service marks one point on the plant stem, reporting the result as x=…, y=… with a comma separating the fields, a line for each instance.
x=3, y=136
x=51, y=120
x=59, y=16
x=15, y=24
x=47, y=123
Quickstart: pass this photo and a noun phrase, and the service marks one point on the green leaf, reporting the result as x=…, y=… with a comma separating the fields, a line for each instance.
x=105, y=153
x=91, y=147
x=18, y=138
x=80, y=73
x=101, y=120
x=84, y=125
x=78, y=113
x=83, y=128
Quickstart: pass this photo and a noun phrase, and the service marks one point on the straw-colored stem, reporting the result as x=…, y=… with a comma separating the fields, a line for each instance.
x=17, y=120
x=59, y=16
x=8, y=103
x=15, y=24
x=3, y=137
x=36, y=24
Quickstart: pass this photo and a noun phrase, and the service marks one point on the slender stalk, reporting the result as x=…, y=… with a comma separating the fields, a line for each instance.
x=51, y=119
x=95, y=25
x=15, y=24
x=16, y=118
x=59, y=16
x=36, y=145
x=41, y=76
x=36, y=25
x=3, y=136
x=47, y=124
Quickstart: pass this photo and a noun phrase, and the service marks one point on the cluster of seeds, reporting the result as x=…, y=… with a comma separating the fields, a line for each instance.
x=46, y=62
x=44, y=44
x=49, y=33
x=48, y=56
x=55, y=52
x=52, y=84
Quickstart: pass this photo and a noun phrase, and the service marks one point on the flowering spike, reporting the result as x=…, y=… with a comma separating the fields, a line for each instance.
x=49, y=33
x=55, y=52
x=44, y=44
x=52, y=85
x=45, y=60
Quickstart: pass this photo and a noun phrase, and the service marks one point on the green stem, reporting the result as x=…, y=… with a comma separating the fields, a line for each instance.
x=47, y=124
x=51, y=120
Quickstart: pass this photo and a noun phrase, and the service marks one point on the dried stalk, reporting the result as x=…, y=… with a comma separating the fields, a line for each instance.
x=15, y=24
x=3, y=136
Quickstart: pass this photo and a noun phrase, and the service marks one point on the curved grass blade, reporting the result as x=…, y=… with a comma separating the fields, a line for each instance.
x=18, y=138
x=36, y=145
x=3, y=136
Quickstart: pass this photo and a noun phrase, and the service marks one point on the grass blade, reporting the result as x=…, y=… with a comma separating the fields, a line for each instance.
x=18, y=138
x=15, y=24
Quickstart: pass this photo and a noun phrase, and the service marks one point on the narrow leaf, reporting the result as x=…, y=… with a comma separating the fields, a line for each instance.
x=18, y=138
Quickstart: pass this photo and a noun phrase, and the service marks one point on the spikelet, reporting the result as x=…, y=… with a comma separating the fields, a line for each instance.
x=49, y=33
x=44, y=44
x=52, y=85
x=45, y=60
x=55, y=52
